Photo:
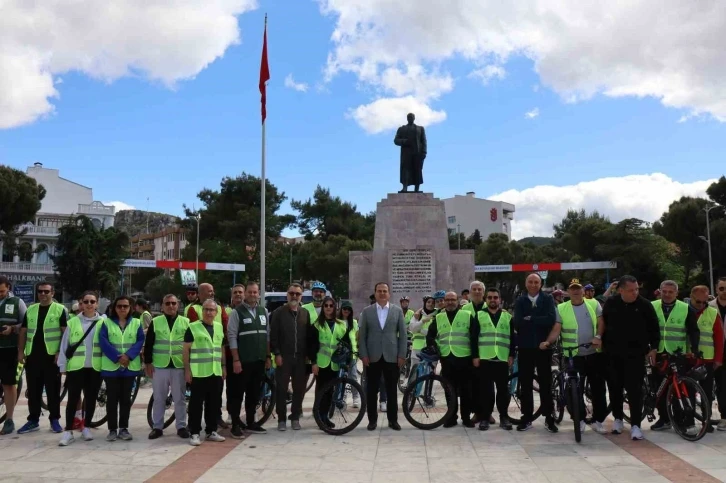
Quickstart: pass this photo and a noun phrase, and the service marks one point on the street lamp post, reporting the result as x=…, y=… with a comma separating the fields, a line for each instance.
x=291, y=264
x=196, y=267
x=707, y=239
x=458, y=234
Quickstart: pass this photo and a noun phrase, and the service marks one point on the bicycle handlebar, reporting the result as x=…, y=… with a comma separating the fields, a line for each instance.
x=570, y=350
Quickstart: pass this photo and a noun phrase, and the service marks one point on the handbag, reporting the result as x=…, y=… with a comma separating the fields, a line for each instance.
x=71, y=349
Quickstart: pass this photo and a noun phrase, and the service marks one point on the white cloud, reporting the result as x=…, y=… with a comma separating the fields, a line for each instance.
x=670, y=50
x=532, y=114
x=644, y=196
x=489, y=72
x=390, y=113
x=120, y=205
x=297, y=86
x=154, y=39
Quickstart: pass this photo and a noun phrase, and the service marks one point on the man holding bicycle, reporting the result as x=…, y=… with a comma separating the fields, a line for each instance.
x=631, y=333
x=677, y=324
x=579, y=321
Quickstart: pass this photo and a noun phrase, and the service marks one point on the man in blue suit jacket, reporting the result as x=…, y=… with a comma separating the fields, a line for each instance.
x=534, y=316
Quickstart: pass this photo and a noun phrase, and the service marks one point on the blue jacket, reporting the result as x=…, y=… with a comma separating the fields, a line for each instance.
x=110, y=351
x=542, y=316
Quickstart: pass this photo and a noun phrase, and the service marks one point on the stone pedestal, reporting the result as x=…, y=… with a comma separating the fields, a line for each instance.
x=410, y=252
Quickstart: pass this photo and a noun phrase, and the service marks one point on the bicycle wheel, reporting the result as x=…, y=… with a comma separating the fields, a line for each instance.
x=169, y=415
x=429, y=402
x=340, y=417
x=515, y=414
x=403, y=375
x=135, y=388
x=266, y=404
x=311, y=382
x=689, y=410
x=558, y=405
x=573, y=399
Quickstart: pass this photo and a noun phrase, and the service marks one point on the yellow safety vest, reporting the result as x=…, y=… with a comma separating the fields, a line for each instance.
x=51, y=327
x=705, y=327
x=454, y=338
x=169, y=344
x=673, y=330
x=329, y=341
x=75, y=333
x=122, y=341
x=311, y=310
x=205, y=358
x=569, y=322
x=494, y=342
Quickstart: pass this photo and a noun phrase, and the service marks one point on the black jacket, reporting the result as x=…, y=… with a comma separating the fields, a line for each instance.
x=288, y=332
x=542, y=316
x=631, y=329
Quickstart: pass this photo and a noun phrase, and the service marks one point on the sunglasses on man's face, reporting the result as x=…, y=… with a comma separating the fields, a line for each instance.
x=294, y=294
x=493, y=298
x=43, y=292
x=169, y=303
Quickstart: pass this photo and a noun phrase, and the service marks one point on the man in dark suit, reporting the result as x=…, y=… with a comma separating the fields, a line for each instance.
x=382, y=347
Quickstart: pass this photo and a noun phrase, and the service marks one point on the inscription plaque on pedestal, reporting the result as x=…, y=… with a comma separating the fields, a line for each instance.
x=412, y=270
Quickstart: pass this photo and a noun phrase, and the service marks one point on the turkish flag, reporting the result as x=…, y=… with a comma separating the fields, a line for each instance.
x=264, y=75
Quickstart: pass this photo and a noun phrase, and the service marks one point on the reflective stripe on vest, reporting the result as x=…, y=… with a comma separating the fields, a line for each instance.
x=122, y=342
x=454, y=338
x=169, y=345
x=673, y=330
x=705, y=327
x=205, y=358
x=75, y=333
x=51, y=327
x=494, y=342
x=569, y=322
x=329, y=342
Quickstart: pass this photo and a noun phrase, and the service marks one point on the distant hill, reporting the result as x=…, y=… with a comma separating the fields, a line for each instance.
x=538, y=241
x=133, y=222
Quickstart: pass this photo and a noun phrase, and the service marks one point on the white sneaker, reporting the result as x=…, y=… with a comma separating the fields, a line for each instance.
x=598, y=428
x=194, y=440
x=583, y=426
x=618, y=426
x=691, y=430
x=635, y=433
x=213, y=436
x=383, y=407
x=87, y=434
x=721, y=425
x=66, y=439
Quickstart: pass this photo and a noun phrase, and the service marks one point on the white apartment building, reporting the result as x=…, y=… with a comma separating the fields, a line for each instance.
x=467, y=213
x=63, y=199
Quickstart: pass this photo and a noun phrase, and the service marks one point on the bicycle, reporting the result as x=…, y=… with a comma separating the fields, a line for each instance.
x=684, y=395
x=419, y=397
x=3, y=409
x=566, y=389
x=336, y=391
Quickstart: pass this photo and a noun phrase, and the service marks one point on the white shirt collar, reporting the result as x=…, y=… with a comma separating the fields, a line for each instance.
x=381, y=307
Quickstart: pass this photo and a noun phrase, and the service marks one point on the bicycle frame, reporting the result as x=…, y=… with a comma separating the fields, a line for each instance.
x=668, y=367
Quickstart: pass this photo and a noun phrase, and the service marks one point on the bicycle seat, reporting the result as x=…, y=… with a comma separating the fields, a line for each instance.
x=342, y=355
x=429, y=354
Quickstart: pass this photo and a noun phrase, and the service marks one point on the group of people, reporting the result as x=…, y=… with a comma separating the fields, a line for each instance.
x=477, y=342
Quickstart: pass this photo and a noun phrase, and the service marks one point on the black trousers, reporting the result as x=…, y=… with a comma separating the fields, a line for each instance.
x=627, y=373
x=459, y=372
x=88, y=381
x=118, y=405
x=593, y=367
x=529, y=360
x=41, y=372
x=205, y=397
x=707, y=385
x=389, y=371
x=292, y=368
x=245, y=385
x=325, y=374
x=225, y=387
x=488, y=375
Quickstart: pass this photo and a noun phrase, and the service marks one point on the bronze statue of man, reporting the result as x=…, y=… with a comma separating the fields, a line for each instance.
x=412, y=139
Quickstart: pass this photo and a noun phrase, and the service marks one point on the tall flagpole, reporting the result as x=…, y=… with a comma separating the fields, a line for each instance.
x=264, y=77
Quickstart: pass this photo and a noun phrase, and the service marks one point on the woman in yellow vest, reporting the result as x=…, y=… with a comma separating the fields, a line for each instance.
x=346, y=314
x=121, y=339
x=82, y=368
x=322, y=342
x=419, y=326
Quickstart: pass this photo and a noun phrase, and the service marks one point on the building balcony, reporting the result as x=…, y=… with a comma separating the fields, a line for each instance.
x=50, y=231
x=96, y=208
x=23, y=267
x=146, y=248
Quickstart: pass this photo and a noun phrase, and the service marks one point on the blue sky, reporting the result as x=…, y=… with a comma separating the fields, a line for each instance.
x=132, y=138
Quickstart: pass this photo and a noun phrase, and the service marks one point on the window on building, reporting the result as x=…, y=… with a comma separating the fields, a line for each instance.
x=452, y=219
x=25, y=252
